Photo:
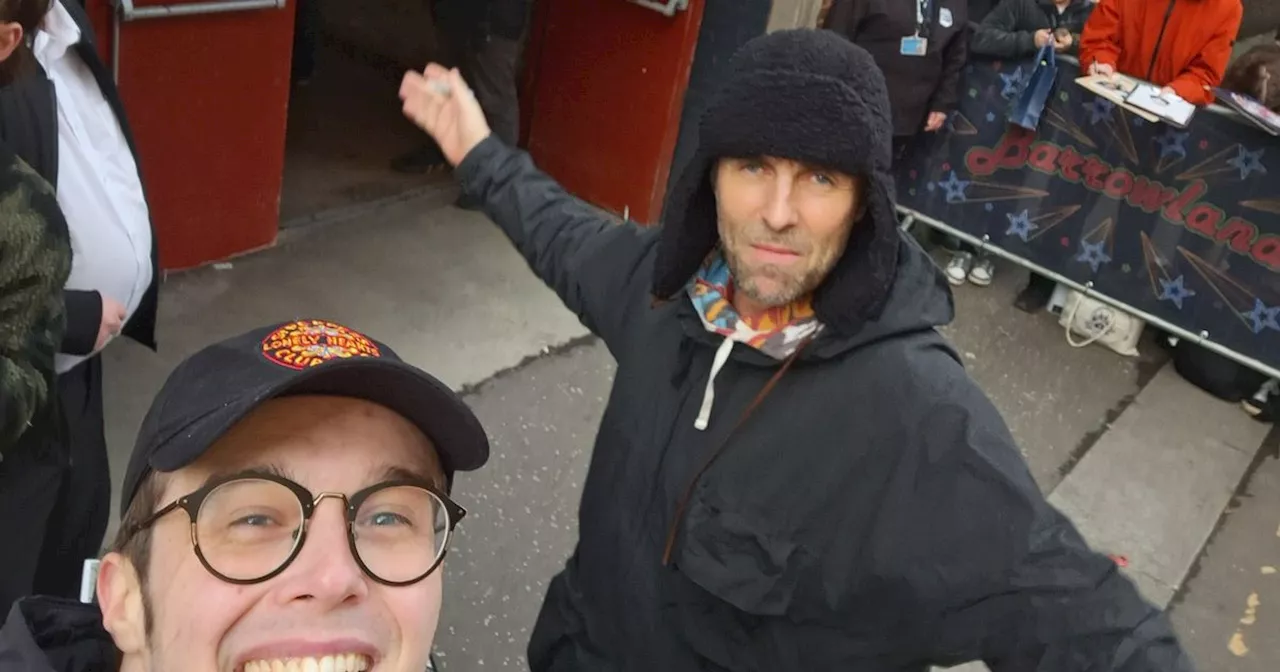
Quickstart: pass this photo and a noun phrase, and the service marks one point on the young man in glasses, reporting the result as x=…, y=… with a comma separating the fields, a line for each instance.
x=285, y=508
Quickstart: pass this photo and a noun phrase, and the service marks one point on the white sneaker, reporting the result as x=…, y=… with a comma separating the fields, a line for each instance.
x=958, y=268
x=982, y=272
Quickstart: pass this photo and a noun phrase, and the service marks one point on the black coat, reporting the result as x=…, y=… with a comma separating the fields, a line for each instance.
x=1009, y=30
x=918, y=85
x=45, y=634
x=29, y=125
x=978, y=9
x=873, y=513
x=478, y=19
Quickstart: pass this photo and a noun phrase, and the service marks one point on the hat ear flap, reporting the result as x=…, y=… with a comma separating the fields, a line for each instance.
x=857, y=289
x=690, y=229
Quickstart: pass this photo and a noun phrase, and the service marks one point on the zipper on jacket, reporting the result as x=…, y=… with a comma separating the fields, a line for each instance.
x=1159, y=40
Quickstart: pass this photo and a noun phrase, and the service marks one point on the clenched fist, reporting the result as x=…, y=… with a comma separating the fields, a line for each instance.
x=440, y=103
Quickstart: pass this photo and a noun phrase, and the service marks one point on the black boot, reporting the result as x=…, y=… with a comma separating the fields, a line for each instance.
x=1035, y=296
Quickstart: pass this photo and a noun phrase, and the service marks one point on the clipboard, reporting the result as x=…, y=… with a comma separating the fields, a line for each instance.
x=1170, y=108
x=1116, y=88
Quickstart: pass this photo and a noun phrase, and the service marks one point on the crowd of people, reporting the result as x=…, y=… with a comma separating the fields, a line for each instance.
x=794, y=471
x=1182, y=45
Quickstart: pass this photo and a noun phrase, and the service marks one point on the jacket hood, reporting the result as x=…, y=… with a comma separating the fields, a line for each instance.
x=46, y=634
x=919, y=299
x=809, y=96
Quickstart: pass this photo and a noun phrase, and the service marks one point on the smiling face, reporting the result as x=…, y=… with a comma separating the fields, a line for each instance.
x=322, y=608
x=783, y=226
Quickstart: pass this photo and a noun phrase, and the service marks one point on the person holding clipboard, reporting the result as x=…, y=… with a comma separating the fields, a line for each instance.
x=922, y=47
x=1182, y=46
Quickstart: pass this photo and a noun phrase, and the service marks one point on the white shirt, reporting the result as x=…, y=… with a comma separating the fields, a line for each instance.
x=98, y=187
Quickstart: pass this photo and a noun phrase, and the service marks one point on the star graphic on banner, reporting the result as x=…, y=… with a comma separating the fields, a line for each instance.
x=1247, y=162
x=955, y=188
x=1020, y=225
x=1175, y=290
x=1263, y=317
x=1012, y=84
x=991, y=116
x=1099, y=109
x=1173, y=142
x=1093, y=254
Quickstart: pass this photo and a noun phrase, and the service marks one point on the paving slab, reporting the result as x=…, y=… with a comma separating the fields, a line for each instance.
x=1055, y=398
x=1154, y=486
x=1228, y=614
x=523, y=506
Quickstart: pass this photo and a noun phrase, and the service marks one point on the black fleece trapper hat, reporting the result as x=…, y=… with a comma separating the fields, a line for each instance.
x=804, y=95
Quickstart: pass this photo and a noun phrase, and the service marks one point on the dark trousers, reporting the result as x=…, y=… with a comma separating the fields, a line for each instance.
x=55, y=495
x=306, y=30
x=491, y=67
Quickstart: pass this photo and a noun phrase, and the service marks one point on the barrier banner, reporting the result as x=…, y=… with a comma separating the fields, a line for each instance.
x=1183, y=224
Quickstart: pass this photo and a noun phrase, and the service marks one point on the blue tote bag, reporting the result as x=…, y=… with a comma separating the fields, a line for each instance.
x=1029, y=104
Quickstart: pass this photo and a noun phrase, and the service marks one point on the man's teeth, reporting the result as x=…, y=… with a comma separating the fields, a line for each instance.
x=350, y=662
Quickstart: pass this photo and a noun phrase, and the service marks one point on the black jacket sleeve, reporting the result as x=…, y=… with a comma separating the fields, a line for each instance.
x=1020, y=588
x=590, y=260
x=1002, y=35
x=846, y=16
x=84, y=319
x=954, y=57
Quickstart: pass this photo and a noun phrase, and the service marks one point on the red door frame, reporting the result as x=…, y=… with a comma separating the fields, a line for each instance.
x=608, y=132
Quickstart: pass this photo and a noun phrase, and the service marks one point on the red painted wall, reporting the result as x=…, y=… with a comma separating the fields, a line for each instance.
x=207, y=97
x=603, y=98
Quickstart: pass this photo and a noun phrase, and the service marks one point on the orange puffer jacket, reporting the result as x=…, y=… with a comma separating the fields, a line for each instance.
x=1183, y=44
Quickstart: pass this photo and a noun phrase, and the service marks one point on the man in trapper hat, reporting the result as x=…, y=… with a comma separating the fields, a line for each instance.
x=794, y=471
x=286, y=507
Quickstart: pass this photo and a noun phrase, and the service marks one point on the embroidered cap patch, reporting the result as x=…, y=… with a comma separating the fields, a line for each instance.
x=306, y=343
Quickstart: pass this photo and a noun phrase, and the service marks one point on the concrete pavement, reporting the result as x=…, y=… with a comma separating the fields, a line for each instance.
x=1228, y=611
x=445, y=289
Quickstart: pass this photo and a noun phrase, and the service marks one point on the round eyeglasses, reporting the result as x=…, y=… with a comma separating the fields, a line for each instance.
x=248, y=528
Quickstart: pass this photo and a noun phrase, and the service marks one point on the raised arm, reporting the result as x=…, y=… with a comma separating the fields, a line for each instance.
x=592, y=261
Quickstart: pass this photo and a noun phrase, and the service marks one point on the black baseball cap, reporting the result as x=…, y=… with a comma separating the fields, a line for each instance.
x=218, y=386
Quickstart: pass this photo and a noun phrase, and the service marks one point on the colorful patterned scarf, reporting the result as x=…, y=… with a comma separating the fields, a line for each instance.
x=777, y=333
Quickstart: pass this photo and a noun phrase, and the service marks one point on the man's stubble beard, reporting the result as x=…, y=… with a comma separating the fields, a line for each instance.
x=747, y=281
x=790, y=288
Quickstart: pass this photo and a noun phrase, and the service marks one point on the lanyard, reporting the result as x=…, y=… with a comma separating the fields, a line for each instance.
x=922, y=11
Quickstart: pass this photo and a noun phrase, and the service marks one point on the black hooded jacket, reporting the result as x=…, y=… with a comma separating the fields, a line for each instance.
x=1009, y=30
x=871, y=513
x=45, y=634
